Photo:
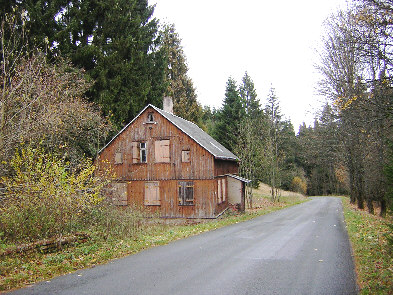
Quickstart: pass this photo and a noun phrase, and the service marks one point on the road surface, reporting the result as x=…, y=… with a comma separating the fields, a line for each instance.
x=299, y=250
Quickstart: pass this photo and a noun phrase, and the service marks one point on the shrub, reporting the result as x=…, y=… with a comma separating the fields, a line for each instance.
x=299, y=185
x=44, y=197
x=108, y=220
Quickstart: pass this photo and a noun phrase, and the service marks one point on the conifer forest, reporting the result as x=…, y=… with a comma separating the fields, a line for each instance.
x=75, y=72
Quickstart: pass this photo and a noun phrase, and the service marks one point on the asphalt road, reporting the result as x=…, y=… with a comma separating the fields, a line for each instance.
x=300, y=250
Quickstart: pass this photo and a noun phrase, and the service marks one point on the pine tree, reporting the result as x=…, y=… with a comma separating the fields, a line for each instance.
x=272, y=155
x=249, y=96
x=229, y=117
x=180, y=85
x=115, y=41
x=251, y=135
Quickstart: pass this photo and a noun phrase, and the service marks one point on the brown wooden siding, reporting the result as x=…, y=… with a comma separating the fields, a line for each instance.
x=199, y=167
x=222, y=167
x=204, y=198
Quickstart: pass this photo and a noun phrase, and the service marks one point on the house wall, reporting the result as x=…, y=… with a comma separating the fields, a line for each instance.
x=120, y=155
x=204, y=198
x=235, y=187
x=222, y=167
x=201, y=163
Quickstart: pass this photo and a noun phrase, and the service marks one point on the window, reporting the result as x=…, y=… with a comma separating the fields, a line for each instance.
x=161, y=151
x=142, y=151
x=118, y=158
x=119, y=194
x=185, y=156
x=150, y=117
x=139, y=152
x=221, y=190
x=186, y=193
x=152, y=193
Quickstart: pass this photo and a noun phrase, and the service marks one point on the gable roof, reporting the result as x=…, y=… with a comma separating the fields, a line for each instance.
x=193, y=131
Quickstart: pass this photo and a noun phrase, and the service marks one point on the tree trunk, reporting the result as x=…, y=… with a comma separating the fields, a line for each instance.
x=370, y=206
x=383, y=208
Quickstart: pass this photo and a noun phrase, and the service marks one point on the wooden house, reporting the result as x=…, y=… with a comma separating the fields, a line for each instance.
x=172, y=166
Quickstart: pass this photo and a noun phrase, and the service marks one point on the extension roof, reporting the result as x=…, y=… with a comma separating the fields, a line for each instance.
x=193, y=131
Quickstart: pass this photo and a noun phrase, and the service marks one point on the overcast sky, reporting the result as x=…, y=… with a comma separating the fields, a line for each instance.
x=274, y=41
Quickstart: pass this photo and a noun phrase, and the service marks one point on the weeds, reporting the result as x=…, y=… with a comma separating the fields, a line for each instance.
x=368, y=235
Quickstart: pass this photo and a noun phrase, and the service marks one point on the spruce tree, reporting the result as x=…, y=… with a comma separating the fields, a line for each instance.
x=115, y=41
x=229, y=117
x=179, y=85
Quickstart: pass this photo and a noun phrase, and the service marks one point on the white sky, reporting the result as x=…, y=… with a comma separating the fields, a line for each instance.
x=274, y=41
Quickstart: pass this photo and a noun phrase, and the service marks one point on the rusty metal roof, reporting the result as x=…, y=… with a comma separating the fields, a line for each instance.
x=193, y=131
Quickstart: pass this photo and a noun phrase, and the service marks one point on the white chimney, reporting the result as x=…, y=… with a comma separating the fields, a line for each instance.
x=168, y=104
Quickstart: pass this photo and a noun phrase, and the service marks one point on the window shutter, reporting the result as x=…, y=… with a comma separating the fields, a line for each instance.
x=118, y=158
x=219, y=191
x=223, y=187
x=186, y=193
x=152, y=193
x=185, y=156
x=135, y=152
x=161, y=151
x=119, y=194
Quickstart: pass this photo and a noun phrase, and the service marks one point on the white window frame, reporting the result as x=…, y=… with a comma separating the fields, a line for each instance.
x=143, y=152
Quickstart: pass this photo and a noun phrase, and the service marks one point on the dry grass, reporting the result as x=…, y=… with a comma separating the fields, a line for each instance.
x=262, y=197
x=374, y=264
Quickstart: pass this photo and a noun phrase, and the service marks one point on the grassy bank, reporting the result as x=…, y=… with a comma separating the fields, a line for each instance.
x=20, y=270
x=374, y=265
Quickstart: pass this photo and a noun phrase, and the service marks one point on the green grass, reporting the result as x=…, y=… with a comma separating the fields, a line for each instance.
x=21, y=270
x=374, y=263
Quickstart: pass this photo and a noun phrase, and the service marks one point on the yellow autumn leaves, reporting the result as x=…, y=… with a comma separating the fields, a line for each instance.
x=45, y=196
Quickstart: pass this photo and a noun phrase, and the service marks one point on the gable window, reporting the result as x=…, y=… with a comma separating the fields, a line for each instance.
x=139, y=152
x=152, y=193
x=185, y=156
x=186, y=193
x=161, y=151
x=150, y=117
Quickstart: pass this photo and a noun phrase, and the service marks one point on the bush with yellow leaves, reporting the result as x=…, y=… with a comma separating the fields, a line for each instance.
x=44, y=197
x=299, y=185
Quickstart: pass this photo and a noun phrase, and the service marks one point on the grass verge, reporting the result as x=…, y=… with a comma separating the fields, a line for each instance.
x=21, y=270
x=374, y=264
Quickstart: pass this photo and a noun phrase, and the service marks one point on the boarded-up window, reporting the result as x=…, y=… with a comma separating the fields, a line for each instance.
x=221, y=190
x=118, y=158
x=185, y=156
x=161, y=148
x=186, y=193
x=152, y=193
x=139, y=152
x=119, y=194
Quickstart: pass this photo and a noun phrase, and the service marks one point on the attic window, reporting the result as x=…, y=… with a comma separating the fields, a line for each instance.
x=150, y=117
x=185, y=156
